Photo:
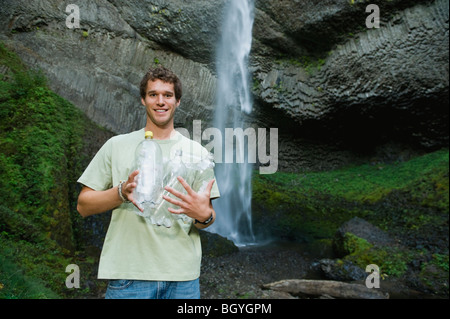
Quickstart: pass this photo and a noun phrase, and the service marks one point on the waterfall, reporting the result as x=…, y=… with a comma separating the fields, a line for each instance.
x=233, y=208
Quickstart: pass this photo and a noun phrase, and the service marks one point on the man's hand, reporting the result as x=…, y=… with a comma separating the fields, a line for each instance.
x=128, y=188
x=195, y=205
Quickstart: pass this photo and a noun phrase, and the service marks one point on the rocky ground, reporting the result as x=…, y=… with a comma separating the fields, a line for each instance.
x=240, y=275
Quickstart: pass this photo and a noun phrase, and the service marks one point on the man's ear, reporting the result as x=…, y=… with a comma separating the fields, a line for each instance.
x=142, y=101
x=178, y=103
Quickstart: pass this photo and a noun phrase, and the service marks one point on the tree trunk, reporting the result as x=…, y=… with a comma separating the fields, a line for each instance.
x=334, y=289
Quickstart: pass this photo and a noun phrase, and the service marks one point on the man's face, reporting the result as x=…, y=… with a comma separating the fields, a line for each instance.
x=160, y=102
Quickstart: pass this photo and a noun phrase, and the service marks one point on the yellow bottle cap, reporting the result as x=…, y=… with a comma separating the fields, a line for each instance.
x=148, y=134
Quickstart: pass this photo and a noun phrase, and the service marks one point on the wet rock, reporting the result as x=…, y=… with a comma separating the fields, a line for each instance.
x=341, y=270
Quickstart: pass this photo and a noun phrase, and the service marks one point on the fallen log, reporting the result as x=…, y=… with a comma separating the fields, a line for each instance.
x=331, y=288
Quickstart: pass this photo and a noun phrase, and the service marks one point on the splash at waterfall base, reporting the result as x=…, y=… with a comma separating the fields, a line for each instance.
x=225, y=150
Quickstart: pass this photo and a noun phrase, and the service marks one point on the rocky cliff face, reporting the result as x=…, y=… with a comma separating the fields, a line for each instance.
x=319, y=74
x=380, y=84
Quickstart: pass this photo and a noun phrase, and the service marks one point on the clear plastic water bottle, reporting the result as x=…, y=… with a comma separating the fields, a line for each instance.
x=149, y=163
x=174, y=168
x=197, y=168
x=202, y=168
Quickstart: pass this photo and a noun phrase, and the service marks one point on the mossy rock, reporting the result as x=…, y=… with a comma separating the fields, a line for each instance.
x=357, y=235
x=392, y=261
x=214, y=245
x=351, y=244
x=434, y=275
x=359, y=242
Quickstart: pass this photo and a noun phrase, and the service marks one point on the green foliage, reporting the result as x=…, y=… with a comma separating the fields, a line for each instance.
x=441, y=261
x=15, y=284
x=26, y=264
x=411, y=195
x=40, y=154
x=434, y=274
x=352, y=244
x=310, y=64
x=17, y=226
x=408, y=198
x=425, y=177
x=391, y=260
x=36, y=140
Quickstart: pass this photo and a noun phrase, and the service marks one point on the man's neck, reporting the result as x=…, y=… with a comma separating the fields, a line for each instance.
x=160, y=133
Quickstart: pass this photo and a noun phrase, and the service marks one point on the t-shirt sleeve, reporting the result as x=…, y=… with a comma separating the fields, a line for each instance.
x=98, y=174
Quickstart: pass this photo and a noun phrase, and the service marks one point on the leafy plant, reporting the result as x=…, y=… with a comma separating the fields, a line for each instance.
x=41, y=143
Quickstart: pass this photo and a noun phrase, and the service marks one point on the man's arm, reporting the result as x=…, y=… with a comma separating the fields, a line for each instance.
x=92, y=202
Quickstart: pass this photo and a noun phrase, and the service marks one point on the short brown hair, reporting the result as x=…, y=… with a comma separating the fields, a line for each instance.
x=165, y=75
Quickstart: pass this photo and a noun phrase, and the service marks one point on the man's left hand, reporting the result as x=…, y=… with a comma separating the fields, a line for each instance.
x=193, y=204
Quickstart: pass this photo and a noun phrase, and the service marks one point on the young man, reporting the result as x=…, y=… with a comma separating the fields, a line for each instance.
x=142, y=260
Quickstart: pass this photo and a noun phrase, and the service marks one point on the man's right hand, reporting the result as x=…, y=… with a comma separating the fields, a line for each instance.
x=128, y=188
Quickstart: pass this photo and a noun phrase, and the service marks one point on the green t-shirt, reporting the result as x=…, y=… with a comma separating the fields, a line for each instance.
x=134, y=248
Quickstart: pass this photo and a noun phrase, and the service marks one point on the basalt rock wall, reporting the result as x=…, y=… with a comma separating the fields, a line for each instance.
x=331, y=85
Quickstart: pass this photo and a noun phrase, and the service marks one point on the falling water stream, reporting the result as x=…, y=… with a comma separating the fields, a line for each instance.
x=234, y=219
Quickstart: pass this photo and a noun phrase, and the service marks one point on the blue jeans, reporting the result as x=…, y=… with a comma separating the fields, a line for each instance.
x=141, y=289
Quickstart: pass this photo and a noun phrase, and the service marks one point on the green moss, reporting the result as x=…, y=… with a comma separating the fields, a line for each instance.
x=16, y=285
x=370, y=183
x=352, y=244
x=391, y=261
x=41, y=142
x=424, y=180
x=310, y=64
x=434, y=274
x=214, y=245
